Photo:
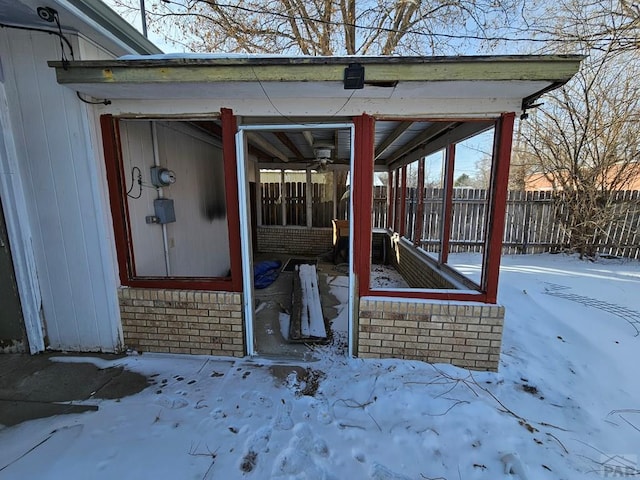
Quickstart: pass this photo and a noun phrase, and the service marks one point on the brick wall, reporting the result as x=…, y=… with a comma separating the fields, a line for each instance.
x=182, y=321
x=295, y=240
x=414, y=268
x=463, y=334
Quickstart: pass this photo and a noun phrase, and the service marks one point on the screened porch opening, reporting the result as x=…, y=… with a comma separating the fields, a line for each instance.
x=298, y=188
x=435, y=207
x=168, y=192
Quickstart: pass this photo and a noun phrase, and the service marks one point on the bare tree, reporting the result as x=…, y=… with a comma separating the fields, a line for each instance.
x=585, y=141
x=585, y=138
x=567, y=25
x=327, y=27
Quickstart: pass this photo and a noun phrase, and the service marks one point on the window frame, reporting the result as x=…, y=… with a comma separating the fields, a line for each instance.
x=488, y=288
x=116, y=185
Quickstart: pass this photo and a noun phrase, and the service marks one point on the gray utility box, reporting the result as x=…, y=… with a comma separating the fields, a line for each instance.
x=164, y=210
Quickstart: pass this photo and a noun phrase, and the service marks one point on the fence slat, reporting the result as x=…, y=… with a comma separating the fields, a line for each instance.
x=532, y=219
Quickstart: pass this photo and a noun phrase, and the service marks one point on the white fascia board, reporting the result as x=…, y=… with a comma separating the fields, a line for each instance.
x=325, y=107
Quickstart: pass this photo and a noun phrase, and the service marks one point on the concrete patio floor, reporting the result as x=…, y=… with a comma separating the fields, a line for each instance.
x=35, y=386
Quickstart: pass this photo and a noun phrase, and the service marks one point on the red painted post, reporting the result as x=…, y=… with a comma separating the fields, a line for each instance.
x=403, y=202
x=417, y=230
x=497, y=206
x=118, y=200
x=229, y=130
x=447, y=207
x=390, y=201
x=362, y=185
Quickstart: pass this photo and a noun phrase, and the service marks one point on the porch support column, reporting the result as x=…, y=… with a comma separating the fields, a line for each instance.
x=118, y=201
x=229, y=130
x=309, y=198
x=499, y=185
x=403, y=202
x=417, y=230
x=283, y=200
x=334, y=194
x=396, y=214
x=362, y=185
x=447, y=205
x=390, y=201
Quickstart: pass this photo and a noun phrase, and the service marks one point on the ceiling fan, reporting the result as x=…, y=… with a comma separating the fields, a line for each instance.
x=322, y=153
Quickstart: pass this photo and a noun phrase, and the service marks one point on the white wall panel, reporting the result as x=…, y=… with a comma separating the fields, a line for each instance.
x=198, y=241
x=54, y=155
x=137, y=151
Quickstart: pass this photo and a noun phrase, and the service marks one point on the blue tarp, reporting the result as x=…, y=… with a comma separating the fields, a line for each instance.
x=265, y=273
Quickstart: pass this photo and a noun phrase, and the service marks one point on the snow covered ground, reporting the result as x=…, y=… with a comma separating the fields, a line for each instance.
x=565, y=404
x=383, y=276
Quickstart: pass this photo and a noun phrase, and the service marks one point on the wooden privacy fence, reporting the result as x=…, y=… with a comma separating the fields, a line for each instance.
x=531, y=222
x=294, y=197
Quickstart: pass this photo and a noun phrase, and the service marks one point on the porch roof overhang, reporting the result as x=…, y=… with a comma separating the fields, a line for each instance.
x=406, y=93
x=167, y=76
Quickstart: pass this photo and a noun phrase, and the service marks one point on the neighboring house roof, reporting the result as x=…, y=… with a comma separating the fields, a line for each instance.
x=537, y=181
x=629, y=179
x=92, y=18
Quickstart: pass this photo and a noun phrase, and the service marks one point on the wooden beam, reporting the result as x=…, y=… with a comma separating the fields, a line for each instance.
x=362, y=191
x=309, y=198
x=459, y=133
x=308, y=137
x=322, y=69
x=117, y=200
x=497, y=205
x=390, y=200
x=259, y=154
x=258, y=140
x=428, y=133
x=403, y=202
x=283, y=199
x=392, y=137
x=286, y=141
x=417, y=230
x=229, y=130
x=211, y=127
x=447, y=204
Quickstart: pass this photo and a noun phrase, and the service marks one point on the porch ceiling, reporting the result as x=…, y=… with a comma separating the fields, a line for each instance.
x=419, y=102
x=394, y=141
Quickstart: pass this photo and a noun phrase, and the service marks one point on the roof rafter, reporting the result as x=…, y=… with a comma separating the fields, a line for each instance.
x=392, y=137
x=263, y=144
x=286, y=141
x=422, y=137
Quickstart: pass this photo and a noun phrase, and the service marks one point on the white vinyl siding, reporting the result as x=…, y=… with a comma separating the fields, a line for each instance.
x=66, y=219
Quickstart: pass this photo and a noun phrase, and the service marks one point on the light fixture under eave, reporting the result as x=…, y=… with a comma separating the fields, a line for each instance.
x=354, y=77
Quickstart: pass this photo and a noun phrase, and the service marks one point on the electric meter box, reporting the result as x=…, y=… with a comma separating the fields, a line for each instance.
x=164, y=210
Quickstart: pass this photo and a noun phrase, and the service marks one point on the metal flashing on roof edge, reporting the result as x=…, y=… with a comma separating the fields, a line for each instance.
x=110, y=21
